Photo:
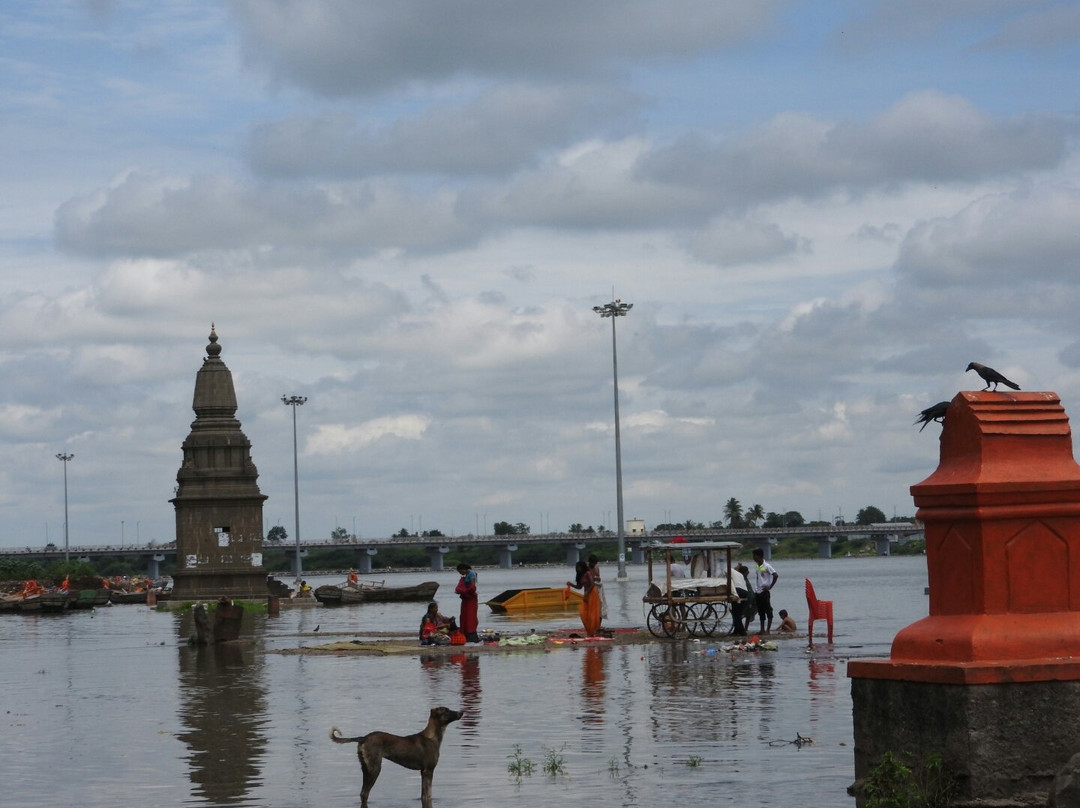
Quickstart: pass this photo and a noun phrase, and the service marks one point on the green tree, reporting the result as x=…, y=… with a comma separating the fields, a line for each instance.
x=733, y=512
x=789, y=519
x=276, y=534
x=401, y=534
x=434, y=534
x=339, y=534
x=870, y=515
x=754, y=514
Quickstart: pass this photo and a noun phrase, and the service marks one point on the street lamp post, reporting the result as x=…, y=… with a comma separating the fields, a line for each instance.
x=64, y=458
x=294, y=402
x=121, y=534
x=616, y=309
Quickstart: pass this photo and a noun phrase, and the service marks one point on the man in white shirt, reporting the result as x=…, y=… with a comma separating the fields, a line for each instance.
x=765, y=578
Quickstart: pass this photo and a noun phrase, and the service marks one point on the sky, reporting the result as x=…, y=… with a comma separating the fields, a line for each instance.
x=406, y=212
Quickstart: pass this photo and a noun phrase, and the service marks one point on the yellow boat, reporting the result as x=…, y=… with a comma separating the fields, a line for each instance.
x=544, y=599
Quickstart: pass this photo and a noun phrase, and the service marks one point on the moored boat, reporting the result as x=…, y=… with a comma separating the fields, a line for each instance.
x=540, y=599
x=371, y=592
x=82, y=599
x=122, y=596
x=54, y=601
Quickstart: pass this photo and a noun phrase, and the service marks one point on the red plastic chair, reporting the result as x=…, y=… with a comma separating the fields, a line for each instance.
x=819, y=610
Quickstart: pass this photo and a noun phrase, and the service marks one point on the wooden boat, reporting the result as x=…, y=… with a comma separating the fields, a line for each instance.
x=56, y=601
x=82, y=598
x=10, y=603
x=122, y=596
x=542, y=599
x=372, y=592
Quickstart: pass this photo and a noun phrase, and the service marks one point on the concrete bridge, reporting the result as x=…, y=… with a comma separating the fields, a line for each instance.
x=884, y=535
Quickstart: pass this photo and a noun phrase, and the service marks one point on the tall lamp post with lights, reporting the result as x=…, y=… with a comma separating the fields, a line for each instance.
x=64, y=457
x=613, y=310
x=294, y=402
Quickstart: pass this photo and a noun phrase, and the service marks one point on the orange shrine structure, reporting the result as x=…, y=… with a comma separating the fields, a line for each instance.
x=990, y=680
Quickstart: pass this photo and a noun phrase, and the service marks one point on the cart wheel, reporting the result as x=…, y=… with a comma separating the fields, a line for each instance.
x=674, y=620
x=656, y=619
x=700, y=619
x=723, y=624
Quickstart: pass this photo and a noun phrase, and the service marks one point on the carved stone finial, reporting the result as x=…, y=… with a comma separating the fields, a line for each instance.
x=213, y=349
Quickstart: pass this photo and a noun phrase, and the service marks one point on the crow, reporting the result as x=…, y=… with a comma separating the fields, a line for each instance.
x=934, y=413
x=991, y=376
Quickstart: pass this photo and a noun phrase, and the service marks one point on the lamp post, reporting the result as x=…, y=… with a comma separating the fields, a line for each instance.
x=616, y=309
x=294, y=402
x=121, y=534
x=64, y=457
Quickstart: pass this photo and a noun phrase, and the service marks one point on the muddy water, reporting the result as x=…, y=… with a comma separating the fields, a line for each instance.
x=108, y=707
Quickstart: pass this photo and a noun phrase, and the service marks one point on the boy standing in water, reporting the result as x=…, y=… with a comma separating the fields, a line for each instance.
x=765, y=578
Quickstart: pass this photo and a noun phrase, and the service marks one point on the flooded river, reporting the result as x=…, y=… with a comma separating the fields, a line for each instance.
x=113, y=707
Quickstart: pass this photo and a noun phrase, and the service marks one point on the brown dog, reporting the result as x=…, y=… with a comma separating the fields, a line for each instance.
x=419, y=751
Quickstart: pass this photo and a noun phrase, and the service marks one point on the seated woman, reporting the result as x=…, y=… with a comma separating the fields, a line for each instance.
x=435, y=628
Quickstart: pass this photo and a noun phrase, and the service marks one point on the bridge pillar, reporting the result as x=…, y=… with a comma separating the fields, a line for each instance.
x=363, y=558
x=824, y=546
x=290, y=553
x=637, y=553
x=765, y=545
x=881, y=543
x=435, y=554
x=573, y=552
x=506, y=558
x=153, y=566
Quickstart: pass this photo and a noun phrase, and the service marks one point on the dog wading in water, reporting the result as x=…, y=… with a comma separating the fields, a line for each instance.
x=419, y=752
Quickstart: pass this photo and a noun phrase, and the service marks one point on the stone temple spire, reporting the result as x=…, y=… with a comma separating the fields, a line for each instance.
x=218, y=504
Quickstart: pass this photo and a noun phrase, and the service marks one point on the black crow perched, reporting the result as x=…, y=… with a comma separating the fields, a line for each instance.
x=934, y=413
x=991, y=376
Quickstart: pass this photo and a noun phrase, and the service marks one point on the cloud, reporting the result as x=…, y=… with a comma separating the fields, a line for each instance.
x=339, y=439
x=147, y=214
x=728, y=242
x=502, y=129
x=357, y=48
x=924, y=137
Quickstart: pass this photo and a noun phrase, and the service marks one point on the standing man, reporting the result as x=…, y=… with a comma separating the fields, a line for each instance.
x=765, y=578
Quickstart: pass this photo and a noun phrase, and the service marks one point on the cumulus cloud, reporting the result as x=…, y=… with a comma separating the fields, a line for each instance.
x=151, y=215
x=727, y=242
x=502, y=129
x=361, y=47
x=339, y=438
x=1033, y=233
x=924, y=137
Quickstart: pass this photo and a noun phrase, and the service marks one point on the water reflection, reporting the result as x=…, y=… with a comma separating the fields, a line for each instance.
x=222, y=713
x=468, y=667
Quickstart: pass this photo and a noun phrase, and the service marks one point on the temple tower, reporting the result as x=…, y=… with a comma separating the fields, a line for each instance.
x=219, y=527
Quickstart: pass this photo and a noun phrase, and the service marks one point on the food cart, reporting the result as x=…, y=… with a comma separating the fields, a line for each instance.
x=698, y=605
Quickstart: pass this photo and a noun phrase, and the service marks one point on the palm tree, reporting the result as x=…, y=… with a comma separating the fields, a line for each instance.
x=754, y=515
x=733, y=513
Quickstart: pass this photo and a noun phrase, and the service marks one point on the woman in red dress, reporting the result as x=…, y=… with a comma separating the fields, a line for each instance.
x=466, y=589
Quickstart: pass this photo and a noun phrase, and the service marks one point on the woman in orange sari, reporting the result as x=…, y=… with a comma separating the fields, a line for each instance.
x=590, y=602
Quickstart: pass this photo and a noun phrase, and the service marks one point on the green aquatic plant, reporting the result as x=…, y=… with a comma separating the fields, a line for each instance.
x=519, y=765
x=694, y=761
x=554, y=763
x=894, y=783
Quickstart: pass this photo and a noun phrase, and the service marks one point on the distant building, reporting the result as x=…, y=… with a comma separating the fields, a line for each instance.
x=635, y=527
x=219, y=523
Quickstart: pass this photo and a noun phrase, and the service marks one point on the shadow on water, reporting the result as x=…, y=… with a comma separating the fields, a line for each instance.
x=222, y=715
